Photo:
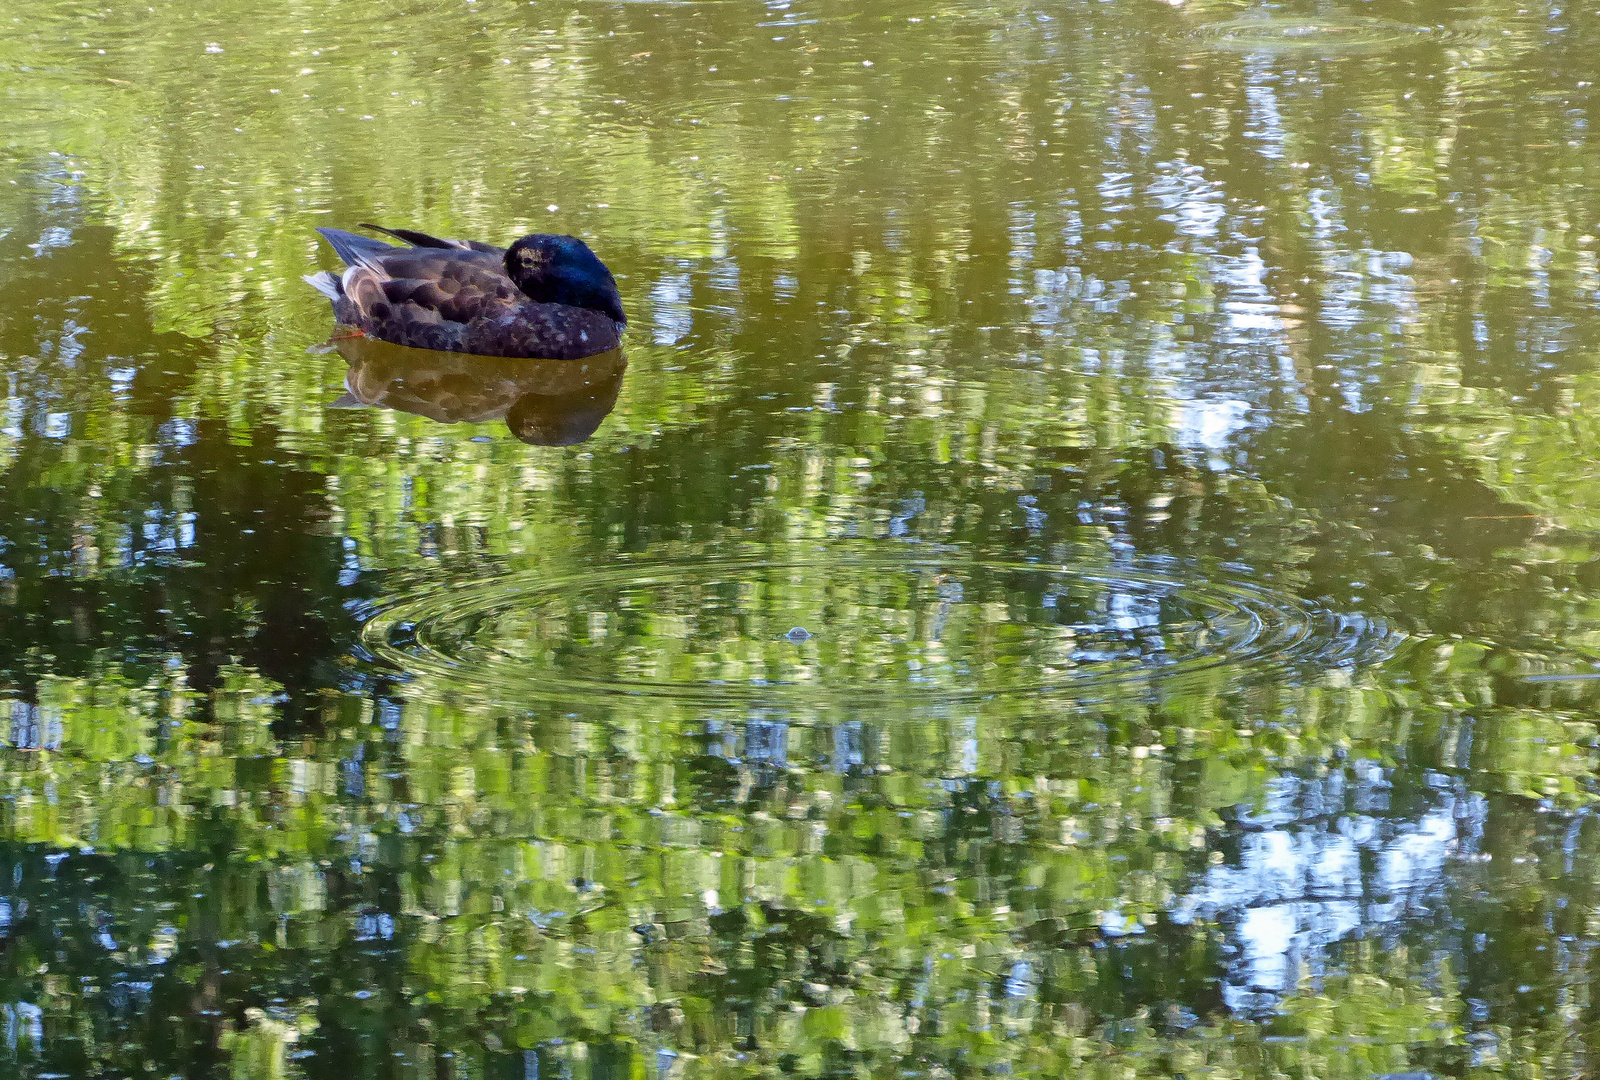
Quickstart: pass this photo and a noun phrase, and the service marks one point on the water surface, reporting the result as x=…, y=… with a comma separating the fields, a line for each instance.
x=1084, y=564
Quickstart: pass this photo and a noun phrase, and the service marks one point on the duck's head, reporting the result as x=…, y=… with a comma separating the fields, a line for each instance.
x=562, y=270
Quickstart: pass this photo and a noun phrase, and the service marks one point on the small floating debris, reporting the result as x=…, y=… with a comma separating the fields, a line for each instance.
x=798, y=634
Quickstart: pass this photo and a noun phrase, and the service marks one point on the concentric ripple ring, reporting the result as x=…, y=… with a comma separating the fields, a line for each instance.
x=847, y=626
x=1330, y=35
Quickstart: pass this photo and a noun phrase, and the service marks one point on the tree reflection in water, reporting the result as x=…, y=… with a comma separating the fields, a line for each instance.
x=1121, y=294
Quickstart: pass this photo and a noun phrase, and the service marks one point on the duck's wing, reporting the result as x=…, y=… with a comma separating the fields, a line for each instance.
x=454, y=298
x=427, y=300
x=455, y=270
x=460, y=266
x=414, y=238
x=354, y=249
x=422, y=239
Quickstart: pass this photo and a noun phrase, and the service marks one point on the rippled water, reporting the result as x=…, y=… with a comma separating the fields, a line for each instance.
x=835, y=623
x=1325, y=36
x=1084, y=563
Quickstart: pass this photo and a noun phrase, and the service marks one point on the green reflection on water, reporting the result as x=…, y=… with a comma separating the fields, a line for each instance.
x=994, y=346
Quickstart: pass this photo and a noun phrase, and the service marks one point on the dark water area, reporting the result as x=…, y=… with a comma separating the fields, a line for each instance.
x=1084, y=564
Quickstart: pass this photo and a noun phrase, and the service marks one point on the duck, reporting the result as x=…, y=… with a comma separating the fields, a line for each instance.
x=546, y=297
x=543, y=402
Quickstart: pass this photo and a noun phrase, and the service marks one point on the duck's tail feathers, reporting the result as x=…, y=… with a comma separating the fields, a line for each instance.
x=354, y=249
x=325, y=283
x=414, y=238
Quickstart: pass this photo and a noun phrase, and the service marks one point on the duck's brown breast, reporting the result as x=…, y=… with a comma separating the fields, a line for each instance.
x=543, y=331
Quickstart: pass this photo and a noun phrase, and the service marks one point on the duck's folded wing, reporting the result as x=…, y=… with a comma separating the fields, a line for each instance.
x=452, y=300
x=414, y=238
x=453, y=268
x=422, y=239
x=354, y=249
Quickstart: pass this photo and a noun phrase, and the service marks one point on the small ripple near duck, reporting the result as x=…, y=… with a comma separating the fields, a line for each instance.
x=546, y=297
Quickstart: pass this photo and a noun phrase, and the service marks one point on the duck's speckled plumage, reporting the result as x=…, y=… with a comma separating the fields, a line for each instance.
x=547, y=297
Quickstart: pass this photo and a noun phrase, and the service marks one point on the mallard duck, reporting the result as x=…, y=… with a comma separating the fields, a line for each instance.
x=547, y=297
x=543, y=402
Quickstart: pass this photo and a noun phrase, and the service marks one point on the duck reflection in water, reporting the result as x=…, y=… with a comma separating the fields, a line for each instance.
x=543, y=402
